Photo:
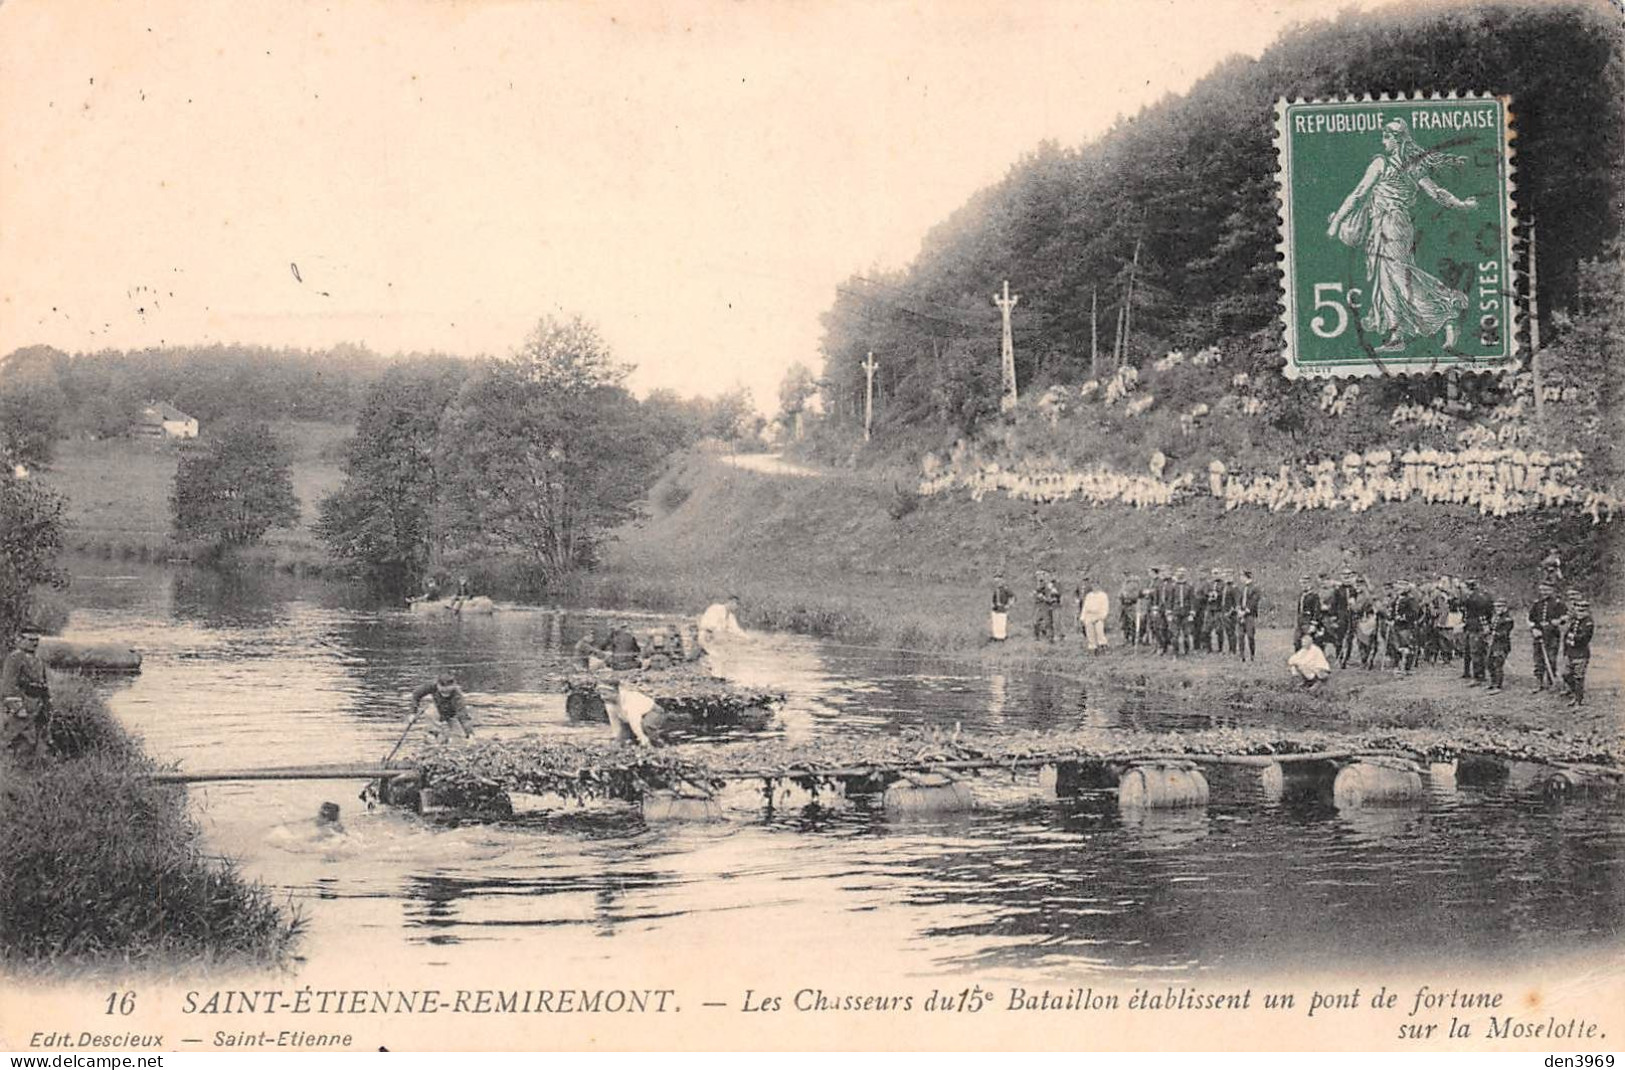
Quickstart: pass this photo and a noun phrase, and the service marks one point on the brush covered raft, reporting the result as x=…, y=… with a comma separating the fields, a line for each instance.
x=684, y=691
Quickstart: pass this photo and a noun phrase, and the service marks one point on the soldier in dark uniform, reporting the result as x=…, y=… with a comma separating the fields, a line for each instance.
x=1046, y=596
x=25, y=699
x=1145, y=628
x=1498, y=639
x=1228, y=604
x=1342, y=613
x=1407, y=612
x=1248, y=603
x=1128, y=596
x=449, y=702
x=1476, y=607
x=1546, y=619
x=1182, y=614
x=1210, y=617
x=1164, y=618
x=1365, y=623
x=1308, y=606
x=1577, y=649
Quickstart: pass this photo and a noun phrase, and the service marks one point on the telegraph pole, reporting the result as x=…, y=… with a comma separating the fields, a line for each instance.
x=1094, y=343
x=1007, y=348
x=1534, y=337
x=869, y=367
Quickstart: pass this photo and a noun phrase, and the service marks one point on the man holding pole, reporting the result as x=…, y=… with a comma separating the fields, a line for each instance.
x=449, y=702
x=1546, y=619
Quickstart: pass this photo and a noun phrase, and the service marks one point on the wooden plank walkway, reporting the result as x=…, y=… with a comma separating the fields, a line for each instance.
x=356, y=771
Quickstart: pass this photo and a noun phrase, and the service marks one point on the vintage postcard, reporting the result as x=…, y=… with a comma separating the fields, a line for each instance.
x=1396, y=273
x=797, y=525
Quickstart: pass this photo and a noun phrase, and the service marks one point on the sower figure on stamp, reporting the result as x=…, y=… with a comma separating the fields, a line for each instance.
x=1404, y=301
x=1546, y=620
x=1577, y=649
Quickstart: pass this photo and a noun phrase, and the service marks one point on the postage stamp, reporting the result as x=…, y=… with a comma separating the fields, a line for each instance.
x=1396, y=234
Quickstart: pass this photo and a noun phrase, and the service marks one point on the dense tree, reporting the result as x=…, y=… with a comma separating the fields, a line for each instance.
x=30, y=539
x=382, y=518
x=234, y=486
x=798, y=385
x=32, y=404
x=542, y=454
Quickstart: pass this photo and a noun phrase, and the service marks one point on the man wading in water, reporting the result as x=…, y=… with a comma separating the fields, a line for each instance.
x=449, y=701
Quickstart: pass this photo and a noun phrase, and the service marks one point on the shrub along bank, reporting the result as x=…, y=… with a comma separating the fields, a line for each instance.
x=105, y=869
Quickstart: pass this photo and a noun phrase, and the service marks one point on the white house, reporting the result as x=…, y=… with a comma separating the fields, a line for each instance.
x=160, y=419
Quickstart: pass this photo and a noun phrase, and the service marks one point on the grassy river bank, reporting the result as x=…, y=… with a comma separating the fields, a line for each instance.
x=842, y=555
x=106, y=872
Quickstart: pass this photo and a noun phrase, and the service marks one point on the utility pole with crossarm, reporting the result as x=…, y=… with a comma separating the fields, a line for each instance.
x=1007, y=348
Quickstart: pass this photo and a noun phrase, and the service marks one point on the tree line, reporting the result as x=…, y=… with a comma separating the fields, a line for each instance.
x=1161, y=234
x=47, y=395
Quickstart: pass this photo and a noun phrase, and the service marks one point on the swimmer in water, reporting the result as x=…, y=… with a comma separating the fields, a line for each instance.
x=327, y=820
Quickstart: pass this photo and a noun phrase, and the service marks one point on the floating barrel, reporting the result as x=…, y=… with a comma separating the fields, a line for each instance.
x=927, y=793
x=1376, y=782
x=1265, y=781
x=670, y=806
x=1580, y=780
x=586, y=704
x=88, y=657
x=1511, y=774
x=1161, y=785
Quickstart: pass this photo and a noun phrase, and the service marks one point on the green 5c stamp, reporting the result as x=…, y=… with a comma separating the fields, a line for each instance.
x=1396, y=233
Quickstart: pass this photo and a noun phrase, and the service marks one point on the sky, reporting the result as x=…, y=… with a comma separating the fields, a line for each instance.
x=693, y=178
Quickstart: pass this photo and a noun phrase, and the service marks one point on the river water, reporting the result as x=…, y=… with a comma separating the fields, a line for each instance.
x=260, y=670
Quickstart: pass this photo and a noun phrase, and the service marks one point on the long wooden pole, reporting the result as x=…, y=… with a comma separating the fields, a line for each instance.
x=1128, y=302
x=1094, y=345
x=1534, y=337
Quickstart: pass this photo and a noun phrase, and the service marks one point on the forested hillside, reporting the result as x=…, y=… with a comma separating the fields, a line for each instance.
x=1183, y=196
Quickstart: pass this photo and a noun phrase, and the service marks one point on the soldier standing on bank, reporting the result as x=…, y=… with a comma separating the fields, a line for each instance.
x=1475, y=615
x=25, y=693
x=1577, y=649
x=1248, y=603
x=1308, y=605
x=1546, y=619
x=1498, y=636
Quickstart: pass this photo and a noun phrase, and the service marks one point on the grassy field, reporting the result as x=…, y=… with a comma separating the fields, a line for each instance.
x=118, y=490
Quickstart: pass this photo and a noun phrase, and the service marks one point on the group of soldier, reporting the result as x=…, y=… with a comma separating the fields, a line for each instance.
x=1397, y=626
x=1164, y=609
x=1404, y=624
